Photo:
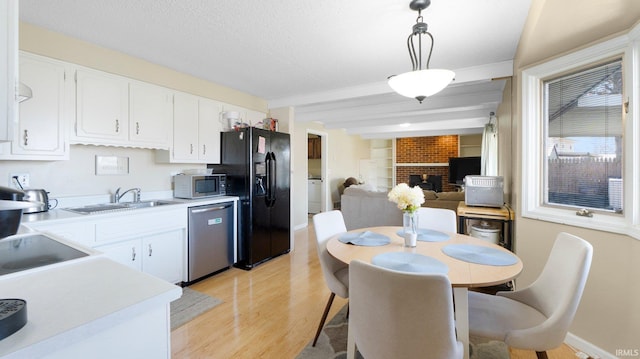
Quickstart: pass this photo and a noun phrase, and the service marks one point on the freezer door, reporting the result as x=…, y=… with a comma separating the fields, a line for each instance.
x=280, y=206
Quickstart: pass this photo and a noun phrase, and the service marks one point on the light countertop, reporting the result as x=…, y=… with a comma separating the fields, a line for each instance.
x=60, y=214
x=69, y=301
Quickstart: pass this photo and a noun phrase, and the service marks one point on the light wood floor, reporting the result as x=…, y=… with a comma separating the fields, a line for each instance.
x=271, y=311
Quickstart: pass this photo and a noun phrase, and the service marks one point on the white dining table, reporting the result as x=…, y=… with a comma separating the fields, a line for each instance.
x=462, y=274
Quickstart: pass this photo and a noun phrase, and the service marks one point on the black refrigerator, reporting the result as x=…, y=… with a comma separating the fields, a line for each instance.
x=257, y=164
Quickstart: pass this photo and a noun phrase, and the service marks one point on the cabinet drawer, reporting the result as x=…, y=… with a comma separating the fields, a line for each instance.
x=140, y=224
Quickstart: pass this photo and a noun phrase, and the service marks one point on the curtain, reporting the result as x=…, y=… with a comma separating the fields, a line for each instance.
x=489, y=161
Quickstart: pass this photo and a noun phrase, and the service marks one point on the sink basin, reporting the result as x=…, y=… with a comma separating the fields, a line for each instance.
x=18, y=254
x=146, y=204
x=117, y=207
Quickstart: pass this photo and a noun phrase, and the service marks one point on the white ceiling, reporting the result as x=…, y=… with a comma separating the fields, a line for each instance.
x=328, y=59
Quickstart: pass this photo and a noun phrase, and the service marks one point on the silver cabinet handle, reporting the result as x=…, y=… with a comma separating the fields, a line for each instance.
x=150, y=250
x=26, y=137
x=117, y=125
x=191, y=148
x=137, y=128
x=133, y=254
x=204, y=149
x=209, y=209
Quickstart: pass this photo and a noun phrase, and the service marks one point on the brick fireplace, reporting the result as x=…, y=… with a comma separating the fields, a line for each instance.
x=426, y=150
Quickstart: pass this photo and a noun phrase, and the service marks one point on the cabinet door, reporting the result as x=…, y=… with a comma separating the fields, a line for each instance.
x=185, y=127
x=8, y=66
x=209, y=130
x=150, y=110
x=128, y=253
x=101, y=108
x=40, y=130
x=163, y=255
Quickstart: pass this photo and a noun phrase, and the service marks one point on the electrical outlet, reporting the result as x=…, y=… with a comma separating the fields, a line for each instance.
x=22, y=178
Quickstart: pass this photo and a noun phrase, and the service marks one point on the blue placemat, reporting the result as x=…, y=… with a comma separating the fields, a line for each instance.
x=410, y=262
x=365, y=239
x=480, y=254
x=428, y=235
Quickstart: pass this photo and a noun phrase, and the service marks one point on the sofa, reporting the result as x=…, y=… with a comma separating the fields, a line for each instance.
x=362, y=207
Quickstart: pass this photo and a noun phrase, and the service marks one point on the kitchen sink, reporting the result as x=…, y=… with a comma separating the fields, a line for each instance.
x=26, y=252
x=117, y=207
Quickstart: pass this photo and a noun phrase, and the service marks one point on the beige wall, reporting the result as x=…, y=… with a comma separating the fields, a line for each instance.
x=609, y=314
x=47, y=43
x=344, y=153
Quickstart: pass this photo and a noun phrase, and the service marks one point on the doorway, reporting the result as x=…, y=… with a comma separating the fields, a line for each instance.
x=317, y=189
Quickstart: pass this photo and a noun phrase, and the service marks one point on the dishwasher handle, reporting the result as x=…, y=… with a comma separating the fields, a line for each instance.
x=210, y=209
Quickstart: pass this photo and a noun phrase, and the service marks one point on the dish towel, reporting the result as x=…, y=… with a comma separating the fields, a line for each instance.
x=428, y=235
x=409, y=262
x=367, y=238
x=480, y=254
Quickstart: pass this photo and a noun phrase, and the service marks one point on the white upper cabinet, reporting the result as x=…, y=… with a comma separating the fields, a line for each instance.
x=209, y=128
x=150, y=114
x=196, y=131
x=8, y=68
x=40, y=132
x=185, y=128
x=114, y=110
x=102, y=108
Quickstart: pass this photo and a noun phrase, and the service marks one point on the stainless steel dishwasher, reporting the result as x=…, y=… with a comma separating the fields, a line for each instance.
x=210, y=236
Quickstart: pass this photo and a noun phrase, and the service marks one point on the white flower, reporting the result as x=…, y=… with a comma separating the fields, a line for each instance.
x=407, y=198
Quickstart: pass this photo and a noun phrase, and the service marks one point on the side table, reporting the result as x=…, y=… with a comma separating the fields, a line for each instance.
x=503, y=214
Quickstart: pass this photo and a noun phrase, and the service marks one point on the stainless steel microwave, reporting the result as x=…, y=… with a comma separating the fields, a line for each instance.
x=199, y=186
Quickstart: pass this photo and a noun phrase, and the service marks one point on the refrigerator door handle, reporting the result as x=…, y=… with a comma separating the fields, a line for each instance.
x=271, y=179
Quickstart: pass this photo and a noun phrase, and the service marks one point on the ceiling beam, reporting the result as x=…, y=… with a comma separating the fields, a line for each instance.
x=463, y=75
x=368, y=111
x=446, y=117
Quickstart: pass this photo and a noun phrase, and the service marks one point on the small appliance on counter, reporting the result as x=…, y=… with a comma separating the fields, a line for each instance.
x=192, y=186
x=484, y=191
x=39, y=197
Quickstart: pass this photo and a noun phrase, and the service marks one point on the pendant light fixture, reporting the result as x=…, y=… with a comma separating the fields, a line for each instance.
x=420, y=83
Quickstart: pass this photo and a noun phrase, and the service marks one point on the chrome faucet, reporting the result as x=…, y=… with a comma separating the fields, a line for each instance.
x=135, y=191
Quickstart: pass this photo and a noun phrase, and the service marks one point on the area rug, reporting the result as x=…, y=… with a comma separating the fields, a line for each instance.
x=190, y=305
x=332, y=343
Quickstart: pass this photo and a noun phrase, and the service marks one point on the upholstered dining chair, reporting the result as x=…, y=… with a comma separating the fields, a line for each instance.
x=401, y=315
x=537, y=317
x=335, y=272
x=439, y=219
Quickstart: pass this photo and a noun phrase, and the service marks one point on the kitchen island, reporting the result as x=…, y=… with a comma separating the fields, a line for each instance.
x=91, y=307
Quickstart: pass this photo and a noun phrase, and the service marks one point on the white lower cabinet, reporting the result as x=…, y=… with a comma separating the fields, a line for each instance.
x=159, y=255
x=162, y=255
x=127, y=253
x=153, y=241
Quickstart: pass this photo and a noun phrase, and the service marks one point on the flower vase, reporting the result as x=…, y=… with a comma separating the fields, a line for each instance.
x=410, y=228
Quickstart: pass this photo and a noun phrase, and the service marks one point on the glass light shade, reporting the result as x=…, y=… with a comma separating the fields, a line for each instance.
x=421, y=84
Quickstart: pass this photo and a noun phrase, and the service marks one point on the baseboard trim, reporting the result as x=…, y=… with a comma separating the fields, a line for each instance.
x=586, y=347
x=301, y=226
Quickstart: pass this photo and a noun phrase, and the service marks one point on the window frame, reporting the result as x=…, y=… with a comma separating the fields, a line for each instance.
x=627, y=47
